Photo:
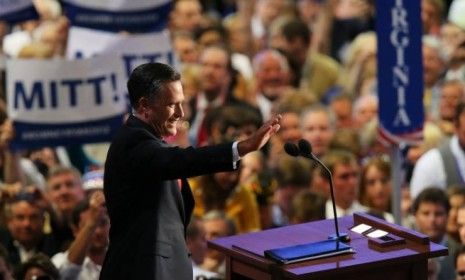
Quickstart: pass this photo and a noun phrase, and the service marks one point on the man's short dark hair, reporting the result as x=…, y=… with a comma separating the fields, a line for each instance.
x=296, y=28
x=147, y=80
x=431, y=195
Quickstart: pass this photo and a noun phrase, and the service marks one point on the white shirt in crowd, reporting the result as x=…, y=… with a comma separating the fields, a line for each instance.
x=87, y=271
x=429, y=169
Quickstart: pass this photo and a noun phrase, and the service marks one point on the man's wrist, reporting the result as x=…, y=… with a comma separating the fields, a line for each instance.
x=242, y=148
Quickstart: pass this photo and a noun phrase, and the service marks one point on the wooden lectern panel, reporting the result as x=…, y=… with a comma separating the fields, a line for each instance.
x=245, y=259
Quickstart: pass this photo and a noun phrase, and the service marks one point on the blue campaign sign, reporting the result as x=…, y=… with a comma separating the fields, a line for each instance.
x=400, y=71
x=63, y=102
x=135, y=16
x=14, y=11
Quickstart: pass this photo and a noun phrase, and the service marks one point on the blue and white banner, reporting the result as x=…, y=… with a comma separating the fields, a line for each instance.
x=13, y=11
x=61, y=102
x=135, y=16
x=400, y=71
x=133, y=50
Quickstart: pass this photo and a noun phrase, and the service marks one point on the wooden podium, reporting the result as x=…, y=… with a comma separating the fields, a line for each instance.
x=371, y=260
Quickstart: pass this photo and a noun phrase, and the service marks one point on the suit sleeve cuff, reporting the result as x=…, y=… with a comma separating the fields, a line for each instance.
x=235, y=154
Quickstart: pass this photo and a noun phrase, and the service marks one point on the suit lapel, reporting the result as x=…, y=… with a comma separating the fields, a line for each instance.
x=188, y=200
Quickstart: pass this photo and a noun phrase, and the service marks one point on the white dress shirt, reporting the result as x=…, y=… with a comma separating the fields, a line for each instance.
x=87, y=271
x=429, y=169
x=355, y=207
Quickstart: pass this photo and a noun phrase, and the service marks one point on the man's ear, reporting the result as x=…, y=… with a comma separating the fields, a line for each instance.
x=143, y=104
x=143, y=107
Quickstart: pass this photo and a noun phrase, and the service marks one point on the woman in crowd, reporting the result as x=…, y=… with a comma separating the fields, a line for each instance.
x=375, y=187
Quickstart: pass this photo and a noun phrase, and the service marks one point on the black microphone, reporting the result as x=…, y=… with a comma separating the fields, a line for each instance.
x=305, y=150
x=291, y=149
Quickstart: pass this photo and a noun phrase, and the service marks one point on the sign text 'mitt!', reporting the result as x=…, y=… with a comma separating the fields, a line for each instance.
x=52, y=94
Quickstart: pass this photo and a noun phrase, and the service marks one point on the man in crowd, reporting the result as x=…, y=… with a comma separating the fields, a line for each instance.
x=25, y=236
x=345, y=169
x=313, y=72
x=443, y=166
x=65, y=191
x=91, y=225
x=217, y=225
x=217, y=90
x=430, y=209
x=452, y=92
x=197, y=244
x=318, y=125
x=272, y=79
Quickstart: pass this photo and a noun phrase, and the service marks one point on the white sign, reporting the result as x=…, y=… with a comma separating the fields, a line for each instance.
x=132, y=50
x=62, y=91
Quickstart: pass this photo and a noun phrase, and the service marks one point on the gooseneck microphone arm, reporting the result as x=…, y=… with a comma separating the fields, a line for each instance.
x=305, y=149
x=331, y=188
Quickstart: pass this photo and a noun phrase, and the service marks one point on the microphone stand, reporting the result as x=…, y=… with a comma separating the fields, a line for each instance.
x=305, y=150
x=344, y=237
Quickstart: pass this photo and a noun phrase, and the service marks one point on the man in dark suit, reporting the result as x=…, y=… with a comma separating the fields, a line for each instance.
x=148, y=198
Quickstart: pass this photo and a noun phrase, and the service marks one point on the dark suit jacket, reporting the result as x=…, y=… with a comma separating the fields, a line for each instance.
x=148, y=212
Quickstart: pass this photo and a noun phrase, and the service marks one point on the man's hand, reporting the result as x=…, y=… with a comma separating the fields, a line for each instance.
x=96, y=208
x=260, y=137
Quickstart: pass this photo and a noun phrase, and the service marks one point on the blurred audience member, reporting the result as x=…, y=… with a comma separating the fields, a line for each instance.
x=292, y=175
x=452, y=93
x=365, y=109
x=217, y=224
x=221, y=85
x=376, y=187
x=197, y=245
x=451, y=37
x=185, y=47
x=25, y=222
x=433, y=70
x=456, y=195
x=91, y=225
x=341, y=105
x=347, y=139
x=430, y=209
x=443, y=166
x=307, y=206
x=65, y=191
x=314, y=72
x=360, y=63
x=318, y=126
x=37, y=267
x=431, y=16
x=186, y=15
x=346, y=171
x=271, y=73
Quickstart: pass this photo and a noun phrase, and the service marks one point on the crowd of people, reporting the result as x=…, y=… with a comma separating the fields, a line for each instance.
x=314, y=62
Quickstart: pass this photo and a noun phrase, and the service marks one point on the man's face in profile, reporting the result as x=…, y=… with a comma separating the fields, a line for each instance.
x=166, y=110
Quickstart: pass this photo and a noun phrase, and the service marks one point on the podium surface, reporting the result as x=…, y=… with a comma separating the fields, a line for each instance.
x=245, y=258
